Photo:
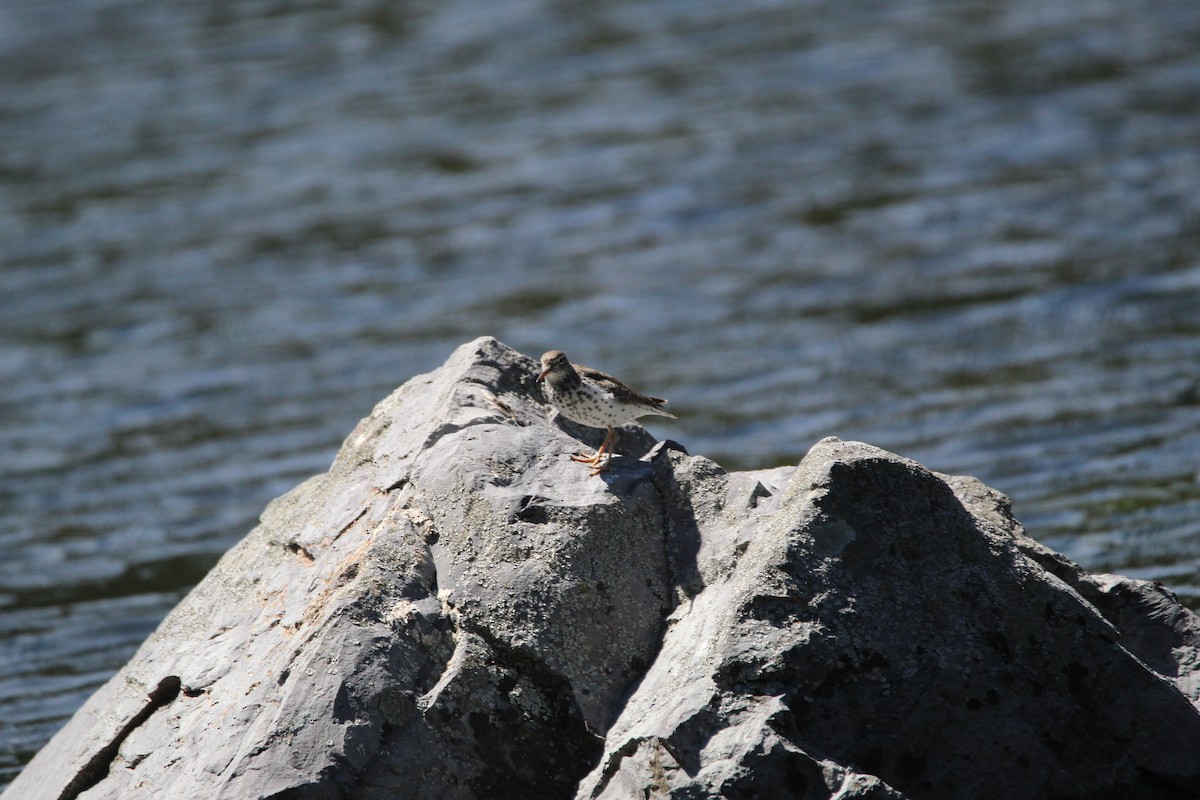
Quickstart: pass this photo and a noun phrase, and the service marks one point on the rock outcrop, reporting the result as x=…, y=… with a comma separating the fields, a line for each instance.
x=457, y=610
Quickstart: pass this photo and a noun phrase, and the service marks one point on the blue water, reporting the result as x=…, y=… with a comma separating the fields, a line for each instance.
x=966, y=232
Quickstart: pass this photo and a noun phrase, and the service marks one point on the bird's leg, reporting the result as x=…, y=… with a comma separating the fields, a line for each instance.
x=606, y=451
x=595, y=457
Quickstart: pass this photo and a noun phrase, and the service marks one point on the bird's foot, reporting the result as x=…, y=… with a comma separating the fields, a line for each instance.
x=599, y=467
x=599, y=460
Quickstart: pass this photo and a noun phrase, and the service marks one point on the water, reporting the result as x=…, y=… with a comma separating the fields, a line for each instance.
x=963, y=231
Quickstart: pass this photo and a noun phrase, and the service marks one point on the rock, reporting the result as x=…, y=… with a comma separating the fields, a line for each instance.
x=457, y=610
x=864, y=627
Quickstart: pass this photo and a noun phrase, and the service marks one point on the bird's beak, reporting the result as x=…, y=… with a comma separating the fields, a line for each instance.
x=542, y=375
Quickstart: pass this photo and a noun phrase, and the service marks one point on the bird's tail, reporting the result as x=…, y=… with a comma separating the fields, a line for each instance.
x=658, y=408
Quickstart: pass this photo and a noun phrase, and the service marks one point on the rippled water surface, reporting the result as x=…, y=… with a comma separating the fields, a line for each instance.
x=964, y=231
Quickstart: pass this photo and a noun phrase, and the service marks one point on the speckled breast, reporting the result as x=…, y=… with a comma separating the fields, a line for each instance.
x=589, y=405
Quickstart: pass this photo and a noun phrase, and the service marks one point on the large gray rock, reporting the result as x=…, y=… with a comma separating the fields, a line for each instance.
x=457, y=610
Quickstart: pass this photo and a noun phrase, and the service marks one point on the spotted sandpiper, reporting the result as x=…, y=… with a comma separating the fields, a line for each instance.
x=591, y=398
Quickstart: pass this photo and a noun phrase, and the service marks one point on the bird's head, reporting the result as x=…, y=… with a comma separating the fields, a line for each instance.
x=553, y=361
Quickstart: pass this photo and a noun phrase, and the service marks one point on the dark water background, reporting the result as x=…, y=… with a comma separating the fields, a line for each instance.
x=965, y=231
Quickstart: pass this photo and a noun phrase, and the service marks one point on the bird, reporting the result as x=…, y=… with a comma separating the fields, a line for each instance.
x=592, y=398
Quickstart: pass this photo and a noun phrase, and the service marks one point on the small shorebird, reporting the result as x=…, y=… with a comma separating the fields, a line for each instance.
x=591, y=398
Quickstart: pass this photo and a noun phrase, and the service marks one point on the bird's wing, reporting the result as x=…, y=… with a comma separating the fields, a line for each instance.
x=617, y=388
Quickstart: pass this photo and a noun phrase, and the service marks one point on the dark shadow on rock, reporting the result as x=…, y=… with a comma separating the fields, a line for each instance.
x=680, y=523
